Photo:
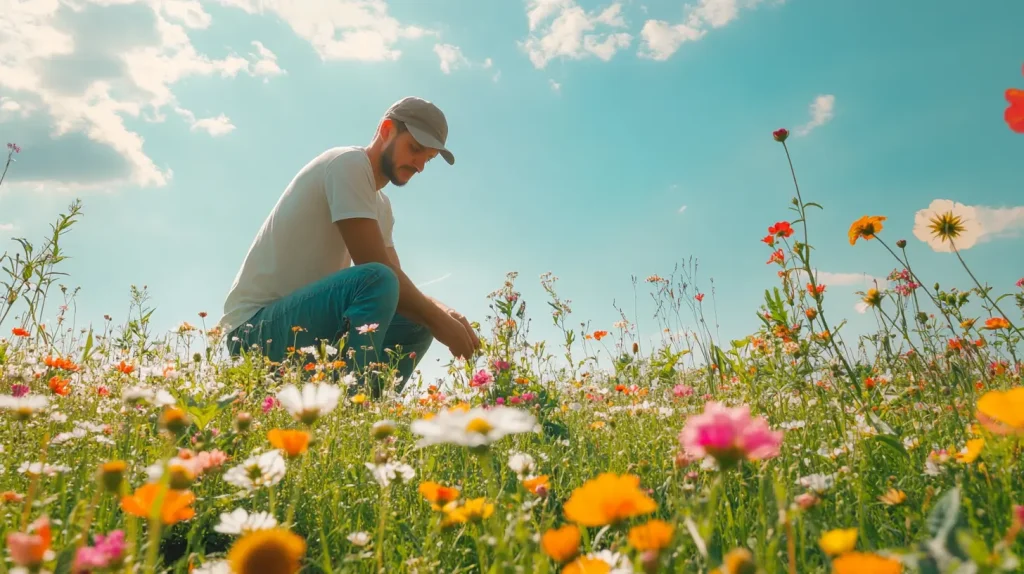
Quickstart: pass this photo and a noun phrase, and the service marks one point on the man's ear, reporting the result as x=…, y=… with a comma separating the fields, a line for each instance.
x=386, y=130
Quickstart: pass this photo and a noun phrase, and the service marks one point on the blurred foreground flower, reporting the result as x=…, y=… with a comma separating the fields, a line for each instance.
x=729, y=435
x=1014, y=114
x=863, y=563
x=274, y=550
x=30, y=549
x=176, y=505
x=1002, y=412
x=312, y=402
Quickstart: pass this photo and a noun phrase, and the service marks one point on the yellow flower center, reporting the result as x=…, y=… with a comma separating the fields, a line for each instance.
x=947, y=226
x=479, y=425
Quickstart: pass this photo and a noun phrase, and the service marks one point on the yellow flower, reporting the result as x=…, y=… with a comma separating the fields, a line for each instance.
x=655, y=535
x=359, y=399
x=586, y=565
x=607, y=499
x=946, y=226
x=862, y=563
x=561, y=544
x=873, y=298
x=838, y=541
x=274, y=550
x=1002, y=412
x=474, y=510
x=292, y=442
x=893, y=497
x=866, y=227
x=971, y=451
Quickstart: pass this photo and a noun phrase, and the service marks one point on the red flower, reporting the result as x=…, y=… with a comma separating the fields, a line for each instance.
x=770, y=240
x=781, y=229
x=780, y=135
x=1014, y=114
x=699, y=296
x=777, y=257
x=19, y=332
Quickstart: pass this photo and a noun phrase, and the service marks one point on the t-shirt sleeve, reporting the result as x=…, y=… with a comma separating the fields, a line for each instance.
x=349, y=188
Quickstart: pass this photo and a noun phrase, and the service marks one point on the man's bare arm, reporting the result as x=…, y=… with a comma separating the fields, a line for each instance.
x=366, y=244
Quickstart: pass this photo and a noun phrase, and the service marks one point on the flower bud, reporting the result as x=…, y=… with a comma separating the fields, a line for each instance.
x=174, y=420
x=740, y=561
x=243, y=421
x=901, y=243
x=636, y=347
x=180, y=477
x=649, y=561
x=780, y=135
x=112, y=475
x=382, y=429
x=812, y=313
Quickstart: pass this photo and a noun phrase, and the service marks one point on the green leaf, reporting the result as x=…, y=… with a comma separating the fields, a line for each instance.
x=812, y=204
x=88, y=347
x=894, y=444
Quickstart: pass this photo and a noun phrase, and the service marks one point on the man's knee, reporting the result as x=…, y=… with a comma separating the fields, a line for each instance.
x=381, y=277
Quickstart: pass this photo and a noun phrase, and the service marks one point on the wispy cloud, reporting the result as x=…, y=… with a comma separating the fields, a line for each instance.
x=451, y=57
x=682, y=209
x=435, y=281
x=5, y=227
x=555, y=86
x=662, y=39
x=562, y=29
x=822, y=110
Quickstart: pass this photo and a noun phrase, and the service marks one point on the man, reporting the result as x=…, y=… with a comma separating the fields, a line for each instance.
x=324, y=260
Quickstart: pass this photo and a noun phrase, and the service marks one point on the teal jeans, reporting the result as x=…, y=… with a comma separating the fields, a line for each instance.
x=335, y=307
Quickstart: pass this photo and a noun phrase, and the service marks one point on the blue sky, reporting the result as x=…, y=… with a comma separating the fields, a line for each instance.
x=581, y=128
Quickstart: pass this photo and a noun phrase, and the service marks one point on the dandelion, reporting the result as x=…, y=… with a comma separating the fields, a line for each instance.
x=476, y=428
x=872, y=298
x=312, y=402
x=272, y=550
x=561, y=544
x=176, y=505
x=729, y=435
x=838, y=541
x=240, y=522
x=258, y=471
x=865, y=228
x=608, y=499
x=861, y=562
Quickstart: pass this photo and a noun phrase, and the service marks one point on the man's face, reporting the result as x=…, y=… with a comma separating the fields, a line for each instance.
x=404, y=157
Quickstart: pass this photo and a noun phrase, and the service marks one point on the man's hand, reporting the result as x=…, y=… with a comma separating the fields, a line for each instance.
x=456, y=335
x=465, y=323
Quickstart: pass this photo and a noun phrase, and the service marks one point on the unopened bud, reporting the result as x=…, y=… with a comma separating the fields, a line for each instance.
x=382, y=429
x=812, y=313
x=649, y=561
x=174, y=420
x=636, y=347
x=740, y=561
x=243, y=421
x=901, y=243
x=180, y=477
x=112, y=475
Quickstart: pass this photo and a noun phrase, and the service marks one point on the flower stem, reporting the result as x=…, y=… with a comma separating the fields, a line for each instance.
x=982, y=290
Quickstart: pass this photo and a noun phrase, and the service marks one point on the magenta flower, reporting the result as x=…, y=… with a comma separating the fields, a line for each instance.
x=269, y=403
x=729, y=435
x=501, y=365
x=108, y=552
x=19, y=390
x=481, y=378
x=1020, y=283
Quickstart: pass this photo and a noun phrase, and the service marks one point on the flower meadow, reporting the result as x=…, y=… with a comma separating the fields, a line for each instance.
x=794, y=449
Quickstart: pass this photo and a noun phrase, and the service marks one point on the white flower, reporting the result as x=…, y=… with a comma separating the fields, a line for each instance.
x=619, y=563
x=521, y=463
x=38, y=468
x=389, y=471
x=257, y=471
x=969, y=222
x=239, y=521
x=359, y=538
x=24, y=406
x=312, y=402
x=817, y=482
x=475, y=428
x=215, y=567
x=66, y=436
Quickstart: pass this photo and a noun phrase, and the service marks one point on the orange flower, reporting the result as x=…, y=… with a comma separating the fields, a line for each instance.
x=125, y=367
x=31, y=548
x=19, y=332
x=60, y=386
x=437, y=494
x=996, y=323
x=292, y=442
x=561, y=544
x=537, y=485
x=1002, y=412
x=607, y=499
x=866, y=227
x=587, y=565
x=176, y=505
x=60, y=363
x=861, y=562
x=655, y=535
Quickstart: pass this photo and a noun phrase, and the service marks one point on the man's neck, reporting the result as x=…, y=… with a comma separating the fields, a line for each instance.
x=379, y=179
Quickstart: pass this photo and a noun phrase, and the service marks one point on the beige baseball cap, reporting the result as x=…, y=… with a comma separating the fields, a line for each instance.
x=426, y=123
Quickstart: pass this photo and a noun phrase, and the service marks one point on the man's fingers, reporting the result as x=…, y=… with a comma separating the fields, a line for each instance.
x=472, y=333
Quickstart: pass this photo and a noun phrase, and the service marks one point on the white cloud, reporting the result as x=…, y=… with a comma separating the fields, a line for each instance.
x=451, y=57
x=562, y=29
x=555, y=86
x=662, y=39
x=76, y=71
x=216, y=126
x=6, y=227
x=360, y=30
x=434, y=281
x=980, y=223
x=821, y=112
x=682, y=209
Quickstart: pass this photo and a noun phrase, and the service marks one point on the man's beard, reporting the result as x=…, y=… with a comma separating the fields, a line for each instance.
x=387, y=165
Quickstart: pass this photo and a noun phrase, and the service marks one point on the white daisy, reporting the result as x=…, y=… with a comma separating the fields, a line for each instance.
x=521, y=463
x=312, y=402
x=389, y=471
x=262, y=470
x=359, y=538
x=475, y=428
x=24, y=406
x=239, y=521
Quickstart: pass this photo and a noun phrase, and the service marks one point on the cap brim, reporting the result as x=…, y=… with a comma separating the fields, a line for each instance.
x=427, y=140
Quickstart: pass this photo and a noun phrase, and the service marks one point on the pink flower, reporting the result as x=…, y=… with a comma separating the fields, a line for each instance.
x=527, y=397
x=107, y=553
x=19, y=390
x=1020, y=283
x=31, y=548
x=13, y=147
x=269, y=403
x=729, y=435
x=481, y=378
x=682, y=391
x=501, y=365
x=515, y=399
x=806, y=500
x=371, y=328
x=499, y=401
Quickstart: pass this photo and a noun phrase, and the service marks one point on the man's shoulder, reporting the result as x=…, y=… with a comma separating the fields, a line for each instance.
x=346, y=157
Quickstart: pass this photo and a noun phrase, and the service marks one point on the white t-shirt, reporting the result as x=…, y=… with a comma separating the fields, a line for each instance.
x=299, y=242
